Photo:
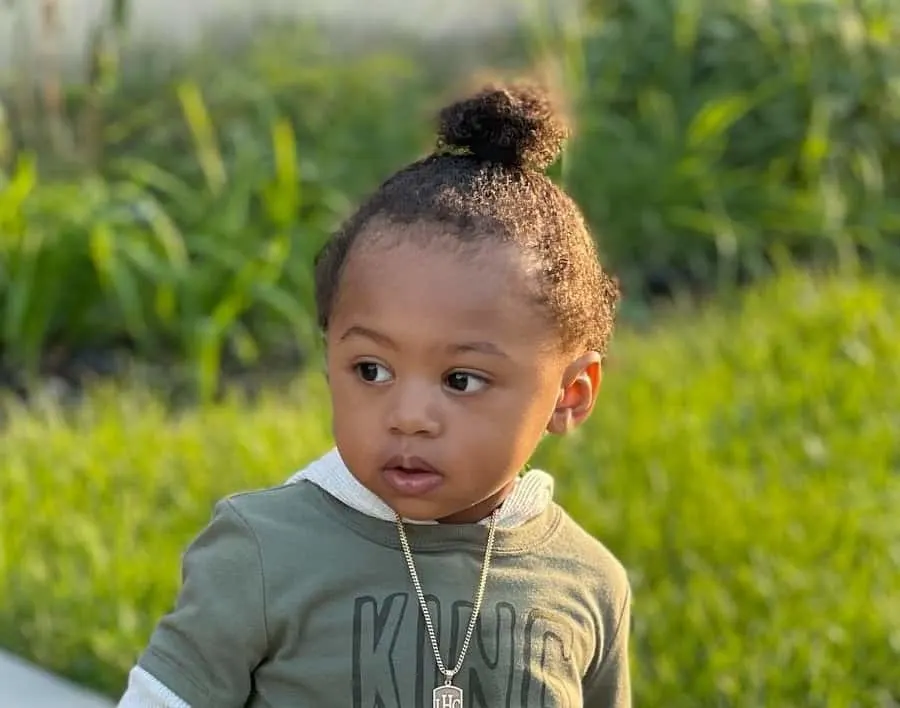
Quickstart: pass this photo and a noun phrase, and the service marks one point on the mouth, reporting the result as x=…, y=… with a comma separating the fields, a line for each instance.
x=411, y=476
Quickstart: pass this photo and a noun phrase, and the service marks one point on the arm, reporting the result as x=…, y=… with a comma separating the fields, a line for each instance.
x=203, y=653
x=609, y=685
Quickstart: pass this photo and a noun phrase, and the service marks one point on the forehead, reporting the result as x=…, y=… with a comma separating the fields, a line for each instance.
x=436, y=287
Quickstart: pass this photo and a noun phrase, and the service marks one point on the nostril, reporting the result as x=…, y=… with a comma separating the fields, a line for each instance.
x=419, y=428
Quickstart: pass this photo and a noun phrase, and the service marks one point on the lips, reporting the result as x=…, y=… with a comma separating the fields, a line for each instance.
x=411, y=476
x=410, y=463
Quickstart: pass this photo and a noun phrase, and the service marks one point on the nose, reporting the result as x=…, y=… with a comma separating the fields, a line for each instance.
x=413, y=411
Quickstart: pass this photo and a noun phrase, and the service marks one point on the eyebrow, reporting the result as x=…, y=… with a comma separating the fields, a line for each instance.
x=359, y=331
x=478, y=347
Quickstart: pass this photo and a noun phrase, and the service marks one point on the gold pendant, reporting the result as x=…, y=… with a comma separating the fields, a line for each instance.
x=448, y=697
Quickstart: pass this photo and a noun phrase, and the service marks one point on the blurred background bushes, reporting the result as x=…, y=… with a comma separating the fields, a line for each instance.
x=171, y=210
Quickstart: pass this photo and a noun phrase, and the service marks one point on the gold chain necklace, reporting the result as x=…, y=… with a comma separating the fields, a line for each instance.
x=448, y=695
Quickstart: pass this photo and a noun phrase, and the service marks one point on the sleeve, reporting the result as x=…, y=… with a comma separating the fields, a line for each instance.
x=144, y=691
x=609, y=685
x=206, y=649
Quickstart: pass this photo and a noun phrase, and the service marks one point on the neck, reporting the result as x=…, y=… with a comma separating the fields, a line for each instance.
x=482, y=509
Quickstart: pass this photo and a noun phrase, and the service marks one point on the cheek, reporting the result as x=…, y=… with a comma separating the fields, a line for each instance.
x=351, y=427
x=532, y=415
x=347, y=407
x=510, y=428
x=342, y=379
x=343, y=406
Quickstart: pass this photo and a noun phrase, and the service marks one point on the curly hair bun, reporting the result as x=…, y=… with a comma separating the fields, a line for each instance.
x=517, y=125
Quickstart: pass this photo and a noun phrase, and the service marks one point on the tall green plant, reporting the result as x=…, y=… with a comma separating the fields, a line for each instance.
x=194, y=241
x=714, y=136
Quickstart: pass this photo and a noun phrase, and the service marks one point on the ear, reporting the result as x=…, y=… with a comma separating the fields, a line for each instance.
x=577, y=394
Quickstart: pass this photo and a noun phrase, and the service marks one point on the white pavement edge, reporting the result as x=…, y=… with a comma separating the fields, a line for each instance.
x=25, y=686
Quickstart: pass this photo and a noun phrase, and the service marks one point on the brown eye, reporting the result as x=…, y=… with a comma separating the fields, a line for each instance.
x=464, y=382
x=372, y=372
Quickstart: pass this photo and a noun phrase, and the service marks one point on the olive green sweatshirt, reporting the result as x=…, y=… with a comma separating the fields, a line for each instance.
x=290, y=599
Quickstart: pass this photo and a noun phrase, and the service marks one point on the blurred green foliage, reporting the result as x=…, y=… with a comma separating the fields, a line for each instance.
x=715, y=139
x=193, y=235
x=718, y=136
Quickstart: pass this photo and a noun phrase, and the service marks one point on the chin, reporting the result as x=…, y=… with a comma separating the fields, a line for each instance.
x=424, y=512
x=417, y=510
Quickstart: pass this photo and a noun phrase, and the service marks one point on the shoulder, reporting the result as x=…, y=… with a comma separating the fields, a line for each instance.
x=256, y=528
x=594, y=573
x=588, y=561
x=272, y=508
x=290, y=515
x=205, y=648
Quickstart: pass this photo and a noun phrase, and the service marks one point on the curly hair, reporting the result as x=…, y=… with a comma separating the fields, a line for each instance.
x=485, y=180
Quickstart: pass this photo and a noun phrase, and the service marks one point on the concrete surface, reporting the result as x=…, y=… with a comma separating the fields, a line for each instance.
x=24, y=686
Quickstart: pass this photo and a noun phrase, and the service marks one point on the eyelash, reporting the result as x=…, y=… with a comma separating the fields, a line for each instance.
x=358, y=368
x=471, y=376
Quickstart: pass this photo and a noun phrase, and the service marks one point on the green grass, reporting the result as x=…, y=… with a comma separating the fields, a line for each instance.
x=742, y=462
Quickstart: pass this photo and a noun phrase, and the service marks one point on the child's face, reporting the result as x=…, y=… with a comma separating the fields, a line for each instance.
x=443, y=373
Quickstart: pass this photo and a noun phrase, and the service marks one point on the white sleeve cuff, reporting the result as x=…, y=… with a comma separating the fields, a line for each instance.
x=146, y=691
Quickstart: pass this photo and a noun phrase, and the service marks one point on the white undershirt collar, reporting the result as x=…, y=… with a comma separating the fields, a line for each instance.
x=532, y=494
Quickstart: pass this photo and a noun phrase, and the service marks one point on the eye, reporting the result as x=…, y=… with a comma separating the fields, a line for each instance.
x=464, y=382
x=372, y=372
